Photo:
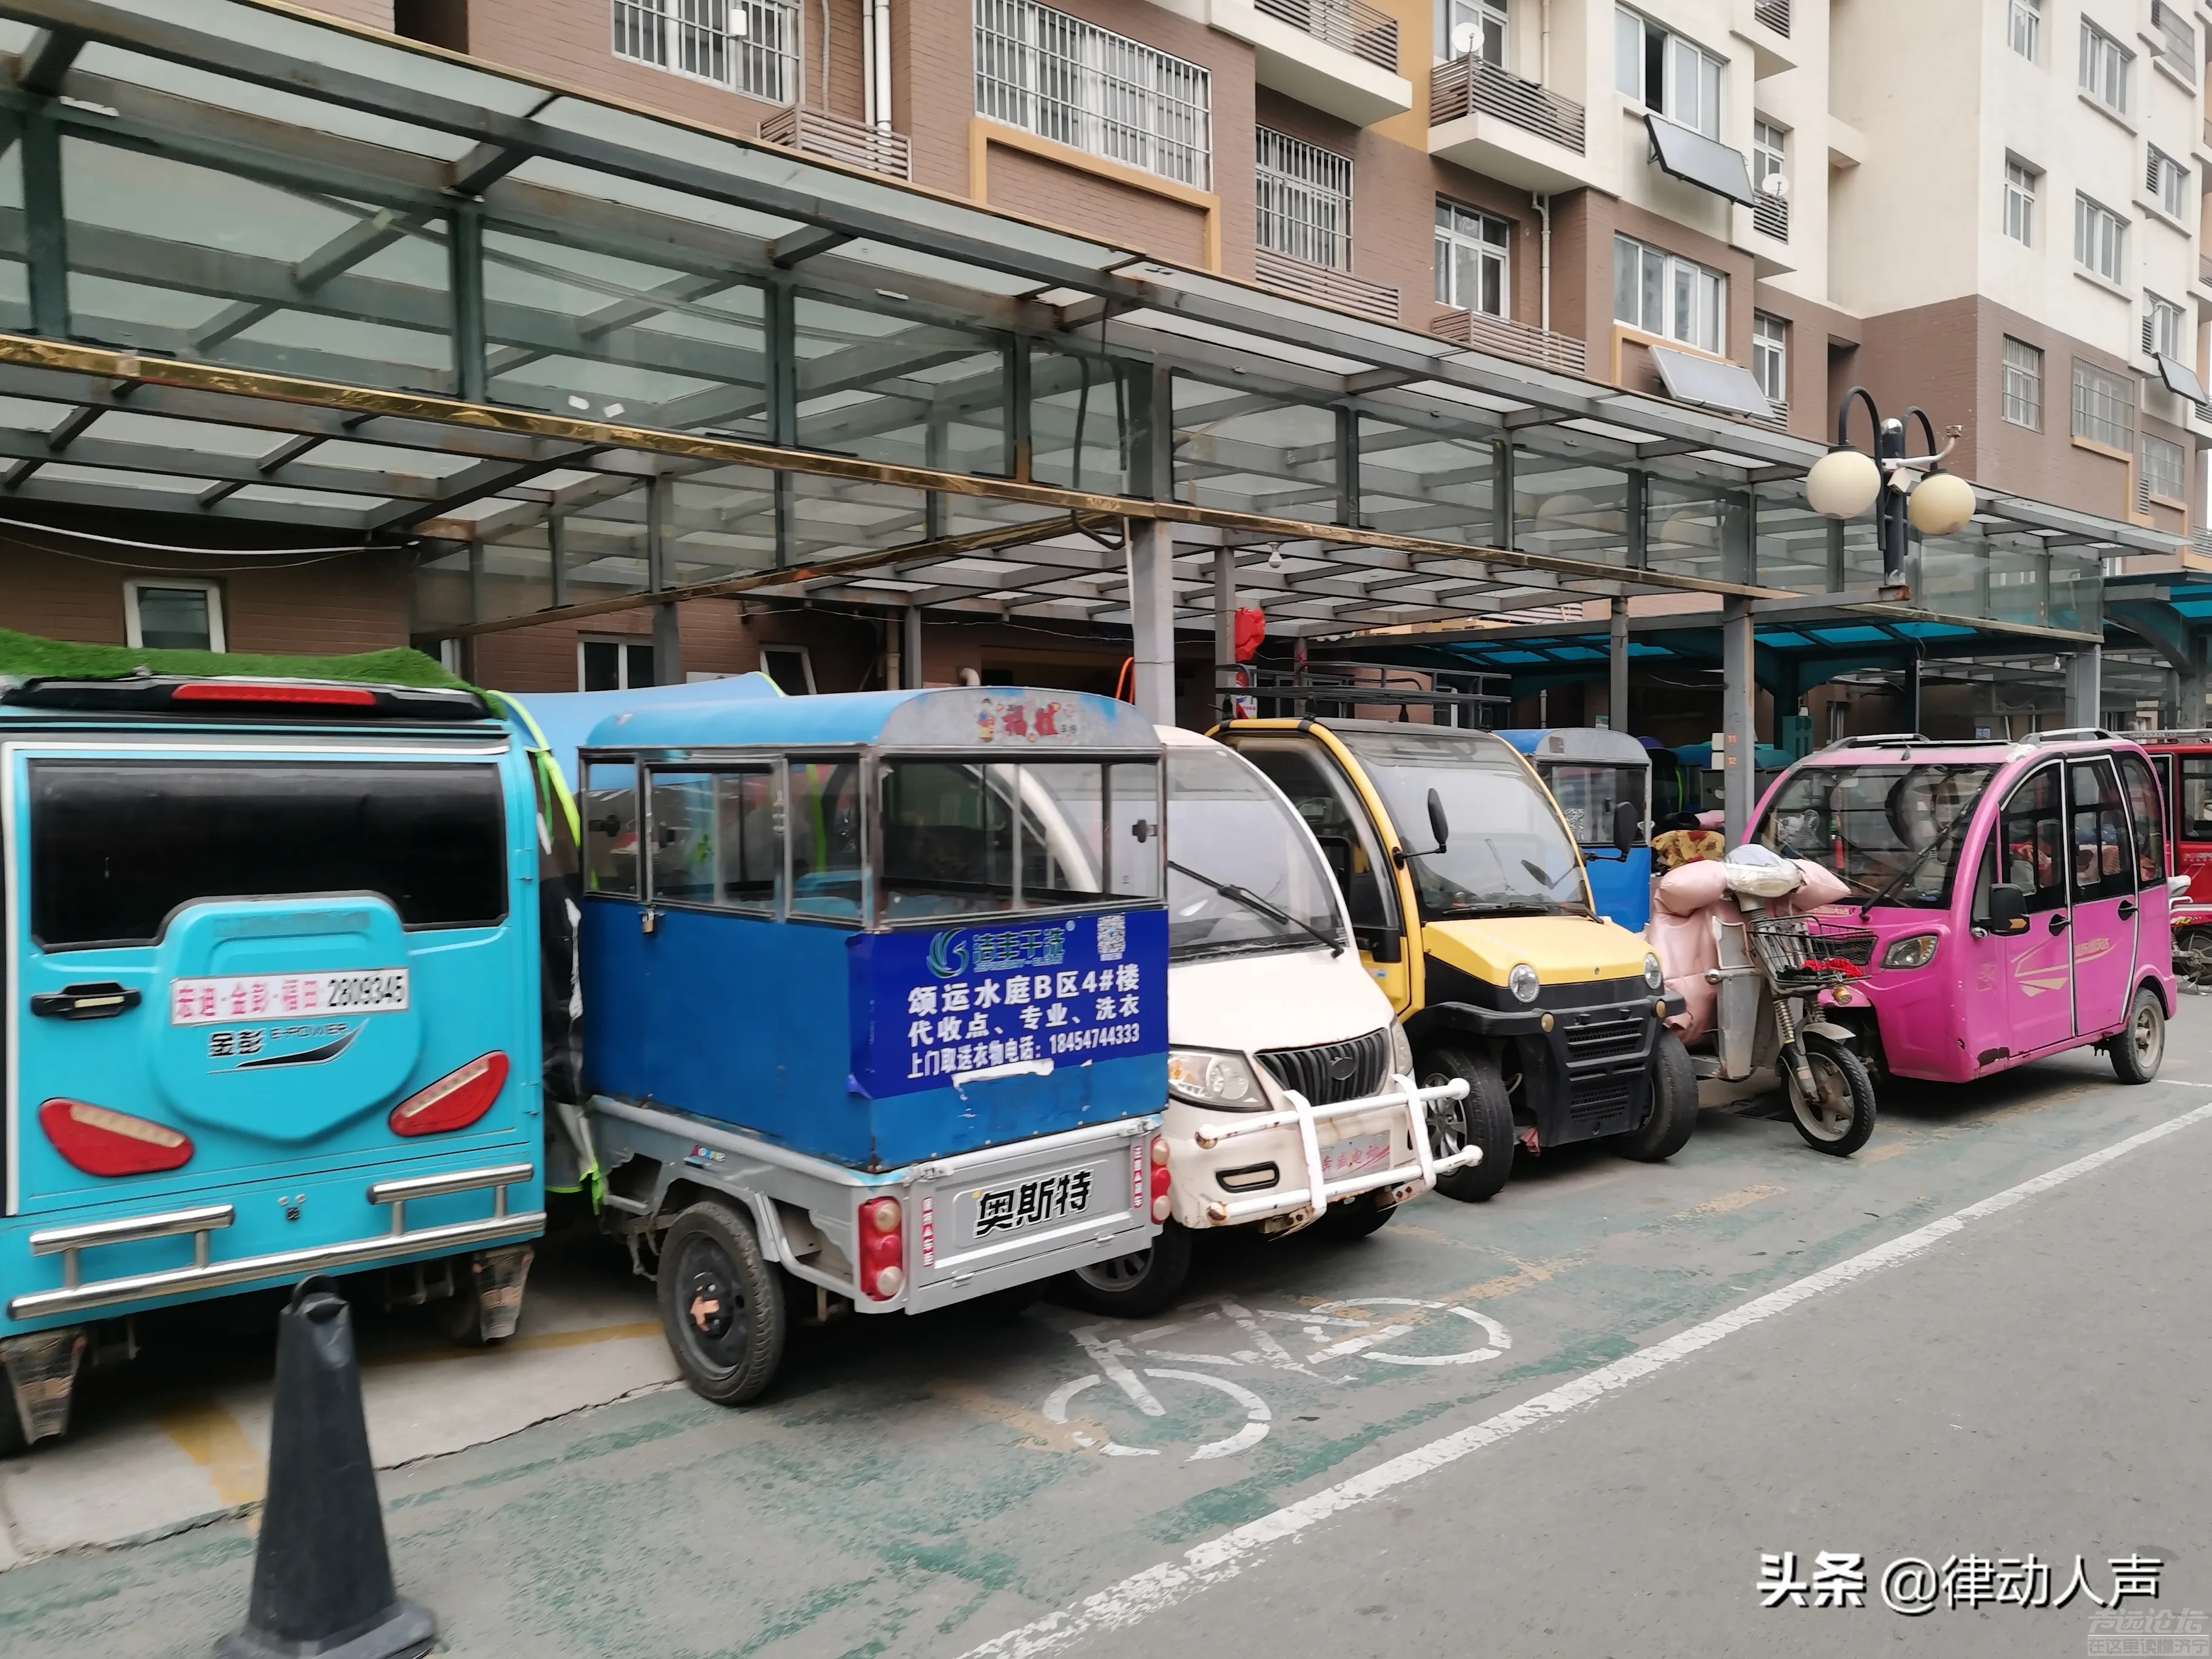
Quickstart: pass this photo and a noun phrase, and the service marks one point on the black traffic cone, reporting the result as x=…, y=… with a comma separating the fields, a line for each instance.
x=322, y=1578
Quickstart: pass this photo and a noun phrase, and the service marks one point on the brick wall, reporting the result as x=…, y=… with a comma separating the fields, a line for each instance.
x=325, y=606
x=377, y=14
x=1128, y=215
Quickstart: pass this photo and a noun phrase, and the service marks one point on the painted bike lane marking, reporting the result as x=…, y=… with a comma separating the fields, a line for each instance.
x=1168, y=1583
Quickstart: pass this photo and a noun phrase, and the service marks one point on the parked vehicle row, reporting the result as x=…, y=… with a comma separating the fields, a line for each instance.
x=885, y=1002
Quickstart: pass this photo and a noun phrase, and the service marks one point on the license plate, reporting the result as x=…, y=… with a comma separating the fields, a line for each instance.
x=270, y=996
x=1020, y=1205
x=1355, y=1157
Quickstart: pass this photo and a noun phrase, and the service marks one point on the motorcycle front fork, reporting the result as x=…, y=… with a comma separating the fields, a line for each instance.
x=1793, y=1050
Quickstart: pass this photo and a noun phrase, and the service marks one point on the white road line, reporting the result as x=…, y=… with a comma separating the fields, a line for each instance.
x=1160, y=1587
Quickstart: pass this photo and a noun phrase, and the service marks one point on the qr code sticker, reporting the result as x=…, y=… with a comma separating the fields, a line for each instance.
x=1113, y=937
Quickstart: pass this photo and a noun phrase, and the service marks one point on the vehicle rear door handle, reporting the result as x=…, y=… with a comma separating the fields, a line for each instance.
x=2058, y=924
x=102, y=1002
x=2127, y=909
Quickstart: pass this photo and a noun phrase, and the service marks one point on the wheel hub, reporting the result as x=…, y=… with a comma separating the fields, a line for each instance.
x=708, y=1305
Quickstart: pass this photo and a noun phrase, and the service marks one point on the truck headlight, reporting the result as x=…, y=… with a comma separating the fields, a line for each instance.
x=1206, y=1076
x=1916, y=950
x=1654, y=974
x=1402, y=1051
x=1521, y=981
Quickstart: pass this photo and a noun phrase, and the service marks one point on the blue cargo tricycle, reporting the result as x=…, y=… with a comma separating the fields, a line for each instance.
x=875, y=993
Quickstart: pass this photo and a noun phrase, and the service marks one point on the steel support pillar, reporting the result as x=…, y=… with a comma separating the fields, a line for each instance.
x=1152, y=617
x=911, y=649
x=1224, y=630
x=667, y=646
x=2085, y=686
x=2190, y=714
x=1738, y=719
x=1617, y=669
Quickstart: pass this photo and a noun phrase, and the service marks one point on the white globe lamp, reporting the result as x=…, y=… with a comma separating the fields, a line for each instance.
x=1843, y=484
x=1942, y=504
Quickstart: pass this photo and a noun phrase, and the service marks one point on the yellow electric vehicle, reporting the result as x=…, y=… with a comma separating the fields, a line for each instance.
x=1471, y=908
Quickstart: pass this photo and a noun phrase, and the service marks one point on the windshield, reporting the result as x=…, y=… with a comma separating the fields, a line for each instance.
x=1506, y=849
x=1587, y=794
x=1878, y=826
x=1243, y=873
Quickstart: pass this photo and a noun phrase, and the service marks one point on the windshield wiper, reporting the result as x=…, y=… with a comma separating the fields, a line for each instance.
x=1789, y=850
x=1252, y=901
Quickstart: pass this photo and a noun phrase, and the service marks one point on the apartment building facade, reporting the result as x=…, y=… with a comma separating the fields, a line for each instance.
x=1654, y=197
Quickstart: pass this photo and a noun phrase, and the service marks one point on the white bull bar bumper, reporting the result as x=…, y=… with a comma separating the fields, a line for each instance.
x=1318, y=1193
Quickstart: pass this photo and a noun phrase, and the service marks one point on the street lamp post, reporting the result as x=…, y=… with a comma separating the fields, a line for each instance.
x=1908, y=491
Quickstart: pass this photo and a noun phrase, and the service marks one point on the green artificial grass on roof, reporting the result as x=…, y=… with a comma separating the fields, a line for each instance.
x=22, y=656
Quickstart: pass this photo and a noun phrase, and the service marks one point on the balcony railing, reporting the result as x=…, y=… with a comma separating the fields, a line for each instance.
x=1354, y=26
x=1478, y=330
x=840, y=138
x=2204, y=268
x=1469, y=84
x=1771, y=217
x=1775, y=13
x=1376, y=302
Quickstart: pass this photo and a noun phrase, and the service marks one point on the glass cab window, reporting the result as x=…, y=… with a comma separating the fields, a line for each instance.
x=1888, y=830
x=2144, y=817
x=609, y=808
x=2030, y=847
x=1587, y=796
x=2193, y=821
x=2104, y=860
x=827, y=873
x=1338, y=822
x=717, y=838
x=976, y=837
x=1243, y=873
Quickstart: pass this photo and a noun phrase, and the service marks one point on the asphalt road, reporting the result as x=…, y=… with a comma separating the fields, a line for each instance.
x=1569, y=1421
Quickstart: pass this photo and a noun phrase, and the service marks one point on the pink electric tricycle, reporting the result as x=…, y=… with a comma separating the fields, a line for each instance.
x=2016, y=892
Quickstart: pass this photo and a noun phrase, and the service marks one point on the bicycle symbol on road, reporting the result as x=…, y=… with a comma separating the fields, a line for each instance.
x=1333, y=1331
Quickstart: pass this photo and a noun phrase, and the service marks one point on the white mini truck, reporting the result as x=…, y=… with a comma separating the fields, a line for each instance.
x=1290, y=1098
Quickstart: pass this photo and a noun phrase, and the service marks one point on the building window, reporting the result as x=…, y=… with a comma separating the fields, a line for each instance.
x=1102, y=93
x=2100, y=239
x=1474, y=261
x=2162, y=326
x=1770, y=355
x=790, y=667
x=2107, y=67
x=2023, y=385
x=1669, y=74
x=1476, y=28
x=747, y=46
x=1664, y=293
x=2103, y=407
x=2164, y=470
x=1303, y=203
x=2165, y=178
x=1769, y=153
x=613, y=665
x=2026, y=29
x=2021, y=183
x=173, y=614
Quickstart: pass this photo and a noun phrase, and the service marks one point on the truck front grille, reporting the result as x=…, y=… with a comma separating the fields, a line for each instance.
x=1331, y=1071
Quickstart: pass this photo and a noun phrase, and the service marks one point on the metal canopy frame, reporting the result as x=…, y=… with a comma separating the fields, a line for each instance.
x=835, y=386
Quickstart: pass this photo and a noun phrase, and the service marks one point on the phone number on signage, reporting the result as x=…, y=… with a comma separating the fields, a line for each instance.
x=1097, y=1037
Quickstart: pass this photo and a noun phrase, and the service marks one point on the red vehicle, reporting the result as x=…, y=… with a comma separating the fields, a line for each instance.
x=2184, y=763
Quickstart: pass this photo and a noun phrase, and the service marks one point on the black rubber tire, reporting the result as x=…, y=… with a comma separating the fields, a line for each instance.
x=1136, y=1285
x=721, y=1303
x=1673, y=1105
x=1483, y=1118
x=1834, y=1064
x=1357, y=1218
x=2138, y=1051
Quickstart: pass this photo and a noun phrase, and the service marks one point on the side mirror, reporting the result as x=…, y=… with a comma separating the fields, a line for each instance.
x=1439, y=825
x=1628, y=825
x=2008, y=908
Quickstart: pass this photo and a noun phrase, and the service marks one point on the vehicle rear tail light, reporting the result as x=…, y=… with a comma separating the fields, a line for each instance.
x=1161, y=1179
x=351, y=696
x=455, y=1100
x=882, y=1248
x=103, y=1142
